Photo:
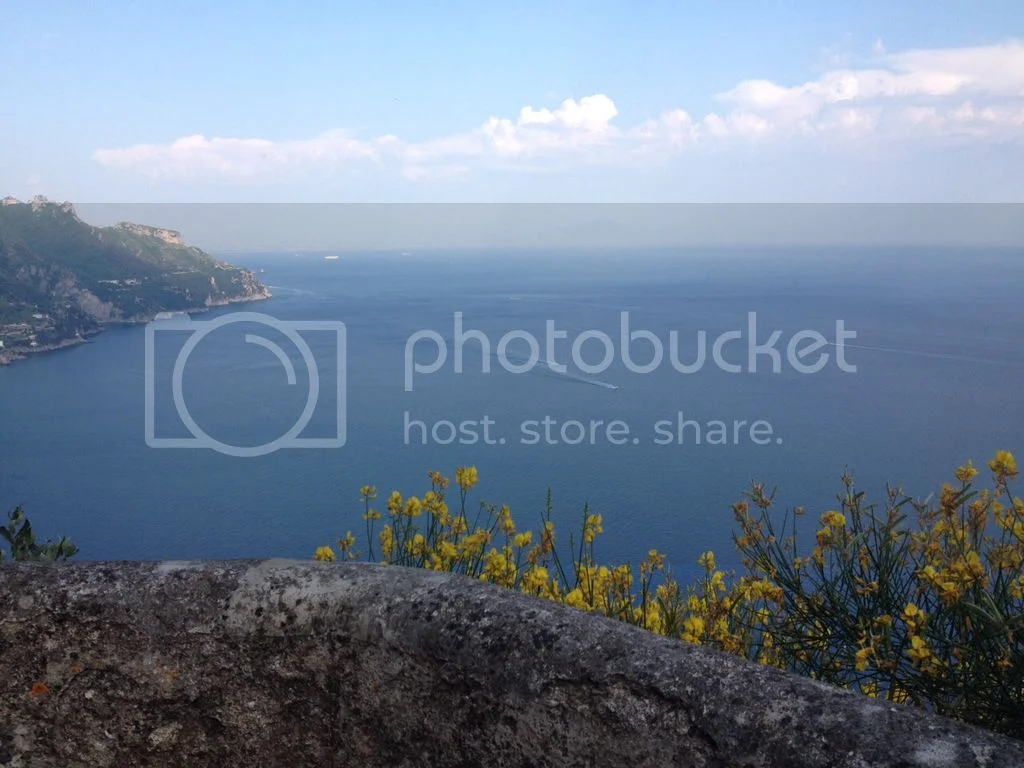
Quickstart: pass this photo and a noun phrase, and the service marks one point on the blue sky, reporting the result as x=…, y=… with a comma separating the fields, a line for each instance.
x=460, y=101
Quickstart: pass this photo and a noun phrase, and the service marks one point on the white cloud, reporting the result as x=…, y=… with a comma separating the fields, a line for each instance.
x=737, y=124
x=591, y=113
x=972, y=93
x=574, y=126
x=198, y=155
x=896, y=88
x=675, y=128
x=994, y=69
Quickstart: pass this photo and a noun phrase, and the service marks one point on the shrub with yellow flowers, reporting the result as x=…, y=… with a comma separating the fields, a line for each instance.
x=916, y=602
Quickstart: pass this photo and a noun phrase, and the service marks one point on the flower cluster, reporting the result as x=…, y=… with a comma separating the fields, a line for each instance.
x=916, y=602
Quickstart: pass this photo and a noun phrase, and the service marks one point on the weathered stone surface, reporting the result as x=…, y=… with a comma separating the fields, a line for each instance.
x=266, y=663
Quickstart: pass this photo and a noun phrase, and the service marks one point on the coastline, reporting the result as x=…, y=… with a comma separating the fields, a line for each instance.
x=9, y=356
x=14, y=355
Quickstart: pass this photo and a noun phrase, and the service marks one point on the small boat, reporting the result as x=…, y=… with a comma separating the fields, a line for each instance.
x=331, y=258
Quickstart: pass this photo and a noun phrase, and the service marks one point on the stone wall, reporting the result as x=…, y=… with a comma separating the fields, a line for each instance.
x=279, y=663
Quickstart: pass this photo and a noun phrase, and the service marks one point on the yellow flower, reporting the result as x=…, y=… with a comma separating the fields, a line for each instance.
x=324, y=555
x=523, y=539
x=762, y=589
x=473, y=545
x=1017, y=588
x=466, y=477
x=547, y=538
x=863, y=658
x=536, y=579
x=346, y=544
x=668, y=592
x=621, y=577
x=912, y=613
x=833, y=519
x=973, y=566
x=920, y=652
x=693, y=629
x=649, y=617
x=416, y=546
x=439, y=508
x=817, y=554
x=506, y=523
x=868, y=589
x=447, y=551
x=576, y=599
x=656, y=559
x=368, y=492
x=387, y=541
x=966, y=473
x=707, y=561
x=1004, y=465
x=413, y=507
x=949, y=592
x=395, y=503
x=593, y=525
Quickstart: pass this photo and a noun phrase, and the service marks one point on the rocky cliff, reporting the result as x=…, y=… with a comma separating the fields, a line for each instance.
x=169, y=236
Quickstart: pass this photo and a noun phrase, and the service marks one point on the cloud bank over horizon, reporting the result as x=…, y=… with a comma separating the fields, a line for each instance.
x=917, y=98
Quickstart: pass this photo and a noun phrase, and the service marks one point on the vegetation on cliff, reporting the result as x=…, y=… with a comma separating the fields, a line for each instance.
x=62, y=279
x=914, y=602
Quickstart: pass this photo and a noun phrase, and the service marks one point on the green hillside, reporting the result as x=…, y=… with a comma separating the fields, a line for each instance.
x=62, y=279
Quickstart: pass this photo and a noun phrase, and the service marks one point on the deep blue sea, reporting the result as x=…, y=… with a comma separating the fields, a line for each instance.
x=938, y=353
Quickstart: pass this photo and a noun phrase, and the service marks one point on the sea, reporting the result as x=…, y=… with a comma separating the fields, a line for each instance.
x=229, y=435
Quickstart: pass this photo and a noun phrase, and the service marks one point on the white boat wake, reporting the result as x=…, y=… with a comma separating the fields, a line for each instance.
x=284, y=289
x=544, y=367
x=935, y=355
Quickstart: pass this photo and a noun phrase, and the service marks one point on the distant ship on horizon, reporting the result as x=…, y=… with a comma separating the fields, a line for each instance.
x=331, y=258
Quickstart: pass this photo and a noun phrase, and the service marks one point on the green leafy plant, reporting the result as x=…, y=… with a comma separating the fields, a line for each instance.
x=21, y=540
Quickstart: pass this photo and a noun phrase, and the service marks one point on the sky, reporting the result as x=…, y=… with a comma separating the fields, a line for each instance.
x=550, y=102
